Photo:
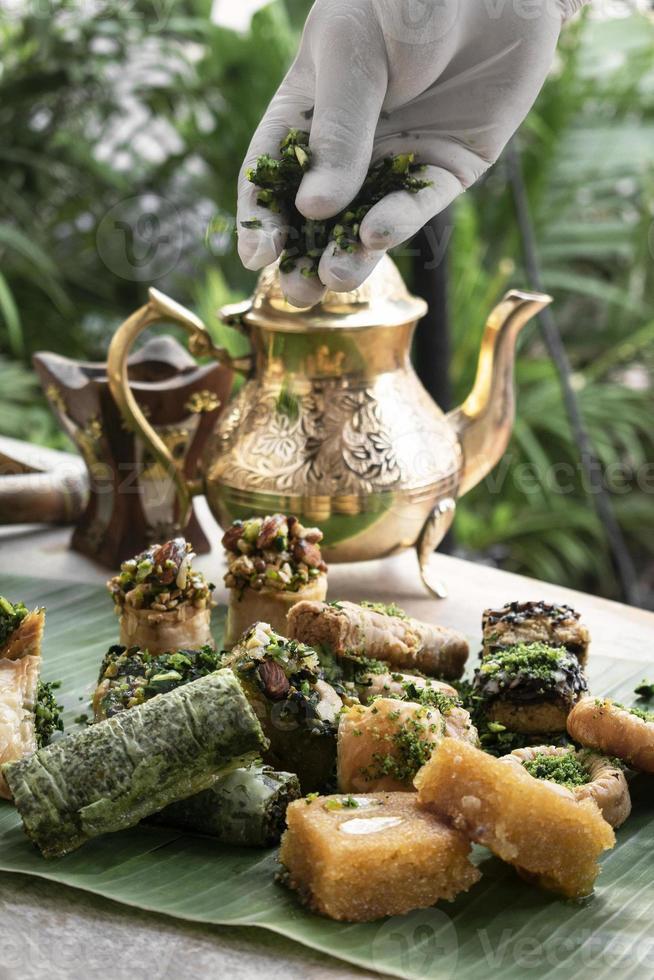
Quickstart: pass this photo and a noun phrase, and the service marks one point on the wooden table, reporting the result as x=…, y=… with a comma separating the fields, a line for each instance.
x=71, y=934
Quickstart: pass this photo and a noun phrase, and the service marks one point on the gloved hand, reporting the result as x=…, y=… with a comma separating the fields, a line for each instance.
x=448, y=79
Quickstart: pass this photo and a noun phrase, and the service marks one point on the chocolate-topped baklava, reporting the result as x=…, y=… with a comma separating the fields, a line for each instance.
x=530, y=687
x=535, y=622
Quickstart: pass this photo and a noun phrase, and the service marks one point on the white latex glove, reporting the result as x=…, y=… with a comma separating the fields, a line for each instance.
x=449, y=79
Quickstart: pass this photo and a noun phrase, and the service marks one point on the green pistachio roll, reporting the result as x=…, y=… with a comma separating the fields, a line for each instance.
x=119, y=771
x=247, y=807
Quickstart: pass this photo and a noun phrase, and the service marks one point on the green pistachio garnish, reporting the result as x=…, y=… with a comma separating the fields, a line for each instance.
x=565, y=770
x=347, y=803
x=385, y=608
x=645, y=689
x=279, y=181
x=11, y=616
x=47, y=712
x=413, y=748
x=637, y=712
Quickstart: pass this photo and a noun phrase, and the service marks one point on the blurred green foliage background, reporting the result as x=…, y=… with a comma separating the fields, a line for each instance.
x=141, y=113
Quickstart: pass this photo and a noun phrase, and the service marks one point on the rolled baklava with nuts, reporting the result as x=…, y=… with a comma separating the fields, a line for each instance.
x=272, y=564
x=386, y=633
x=164, y=604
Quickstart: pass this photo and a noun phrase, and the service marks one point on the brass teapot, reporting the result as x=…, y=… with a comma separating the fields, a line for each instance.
x=332, y=423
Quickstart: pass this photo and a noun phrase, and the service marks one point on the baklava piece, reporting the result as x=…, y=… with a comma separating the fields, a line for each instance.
x=272, y=564
x=535, y=622
x=611, y=728
x=550, y=837
x=21, y=630
x=360, y=858
x=297, y=708
x=164, y=604
x=529, y=688
x=128, y=677
x=398, y=685
x=382, y=632
x=585, y=774
x=21, y=633
x=382, y=746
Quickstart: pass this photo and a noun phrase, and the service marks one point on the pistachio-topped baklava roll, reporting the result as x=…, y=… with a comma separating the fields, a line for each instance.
x=381, y=632
x=21, y=632
x=247, y=807
x=381, y=746
x=529, y=688
x=128, y=677
x=114, y=774
x=535, y=622
x=408, y=687
x=163, y=603
x=272, y=564
x=297, y=708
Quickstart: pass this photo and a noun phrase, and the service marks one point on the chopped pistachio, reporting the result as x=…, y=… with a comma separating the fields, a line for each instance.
x=279, y=180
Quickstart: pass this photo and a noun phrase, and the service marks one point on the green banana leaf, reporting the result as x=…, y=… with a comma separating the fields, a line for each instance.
x=503, y=924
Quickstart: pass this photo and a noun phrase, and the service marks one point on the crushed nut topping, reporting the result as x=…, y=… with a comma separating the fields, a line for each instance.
x=274, y=552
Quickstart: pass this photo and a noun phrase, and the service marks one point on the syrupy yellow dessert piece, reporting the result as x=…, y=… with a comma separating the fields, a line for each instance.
x=538, y=827
x=359, y=858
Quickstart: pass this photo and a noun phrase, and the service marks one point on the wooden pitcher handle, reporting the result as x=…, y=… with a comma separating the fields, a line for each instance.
x=161, y=308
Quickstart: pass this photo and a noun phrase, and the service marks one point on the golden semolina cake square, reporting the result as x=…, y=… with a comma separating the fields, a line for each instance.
x=359, y=858
x=545, y=833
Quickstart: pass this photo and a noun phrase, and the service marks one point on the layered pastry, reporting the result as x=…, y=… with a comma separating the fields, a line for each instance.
x=384, y=633
x=408, y=687
x=21, y=630
x=21, y=633
x=114, y=774
x=535, y=622
x=128, y=677
x=244, y=808
x=529, y=688
x=583, y=773
x=297, y=708
x=272, y=564
x=360, y=858
x=538, y=827
x=613, y=729
x=163, y=602
x=382, y=746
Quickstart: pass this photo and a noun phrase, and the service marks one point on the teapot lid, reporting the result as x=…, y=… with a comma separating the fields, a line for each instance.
x=383, y=300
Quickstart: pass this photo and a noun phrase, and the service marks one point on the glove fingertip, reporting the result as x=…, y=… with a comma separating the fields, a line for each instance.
x=323, y=194
x=376, y=237
x=343, y=272
x=300, y=291
x=259, y=249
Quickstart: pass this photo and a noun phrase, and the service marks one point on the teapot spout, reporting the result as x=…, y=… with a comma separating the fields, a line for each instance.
x=484, y=422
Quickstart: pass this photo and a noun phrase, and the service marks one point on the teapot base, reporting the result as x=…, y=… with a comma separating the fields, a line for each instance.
x=359, y=527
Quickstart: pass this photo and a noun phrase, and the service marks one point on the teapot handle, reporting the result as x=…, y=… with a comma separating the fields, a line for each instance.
x=161, y=308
